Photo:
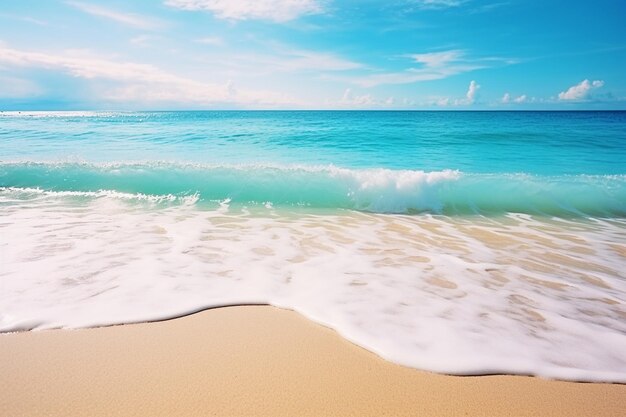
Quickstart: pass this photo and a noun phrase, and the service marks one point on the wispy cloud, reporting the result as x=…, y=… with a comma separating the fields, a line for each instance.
x=432, y=66
x=143, y=40
x=211, y=40
x=299, y=59
x=409, y=76
x=26, y=19
x=437, y=4
x=273, y=10
x=280, y=59
x=437, y=59
x=128, y=19
x=580, y=91
x=484, y=8
x=141, y=83
x=81, y=65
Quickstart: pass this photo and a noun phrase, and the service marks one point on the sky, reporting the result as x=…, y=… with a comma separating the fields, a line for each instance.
x=312, y=54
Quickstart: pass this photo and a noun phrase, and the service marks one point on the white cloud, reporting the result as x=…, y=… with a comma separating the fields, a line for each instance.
x=470, y=97
x=581, y=90
x=351, y=100
x=144, y=83
x=143, y=40
x=438, y=59
x=127, y=19
x=80, y=65
x=26, y=19
x=433, y=66
x=521, y=99
x=211, y=40
x=438, y=4
x=281, y=59
x=404, y=77
x=274, y=10
x=472, y=91
x=506, y=98
x=316, y=61
x=413, y=75
x=489, y=7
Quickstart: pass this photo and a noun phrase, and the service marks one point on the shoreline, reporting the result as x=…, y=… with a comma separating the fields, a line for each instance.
x=256, y=360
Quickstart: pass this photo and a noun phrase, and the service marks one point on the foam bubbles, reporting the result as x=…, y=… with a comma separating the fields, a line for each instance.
x=462, y=295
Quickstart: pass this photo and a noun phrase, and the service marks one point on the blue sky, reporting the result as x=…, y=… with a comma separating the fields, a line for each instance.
x=312, y=54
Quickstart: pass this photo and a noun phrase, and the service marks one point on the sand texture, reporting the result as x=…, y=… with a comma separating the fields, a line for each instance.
x=255, y=360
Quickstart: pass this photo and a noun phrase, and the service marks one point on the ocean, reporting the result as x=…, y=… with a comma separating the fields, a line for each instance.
x=455, y=242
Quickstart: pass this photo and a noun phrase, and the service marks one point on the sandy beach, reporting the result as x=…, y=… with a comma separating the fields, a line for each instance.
x=312, y=208
x=255, y=360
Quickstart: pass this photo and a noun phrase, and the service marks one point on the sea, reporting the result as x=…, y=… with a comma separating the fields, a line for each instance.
x=464, y=243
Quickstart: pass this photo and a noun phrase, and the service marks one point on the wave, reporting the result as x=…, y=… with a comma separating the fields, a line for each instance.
x=376, y=190
x=511, y=294
x=41, y=114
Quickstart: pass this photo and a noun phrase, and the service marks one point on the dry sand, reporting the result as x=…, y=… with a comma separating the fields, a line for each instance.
x=256, y=361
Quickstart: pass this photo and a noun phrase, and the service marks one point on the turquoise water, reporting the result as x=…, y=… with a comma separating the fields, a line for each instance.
x=554, y=163
x=456, y=242
x=544, y=143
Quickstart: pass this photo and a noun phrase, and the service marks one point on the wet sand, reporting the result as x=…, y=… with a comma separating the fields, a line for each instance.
x=256, y=360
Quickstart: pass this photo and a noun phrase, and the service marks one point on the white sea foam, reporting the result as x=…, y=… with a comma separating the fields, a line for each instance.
x=29, y=192
x=461, y=295
x=68, y=114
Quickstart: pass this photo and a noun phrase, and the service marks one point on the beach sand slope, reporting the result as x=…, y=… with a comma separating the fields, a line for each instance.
x=256, y=360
